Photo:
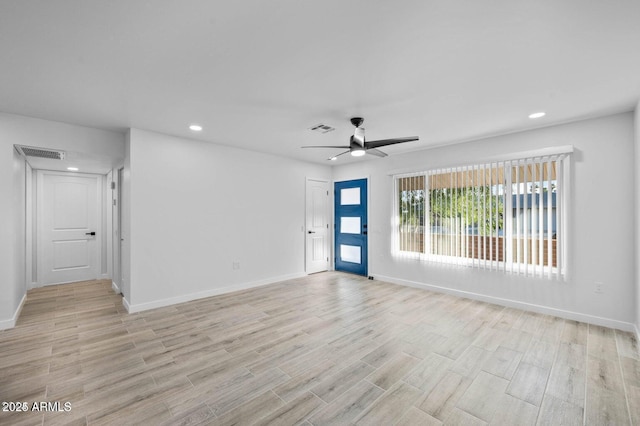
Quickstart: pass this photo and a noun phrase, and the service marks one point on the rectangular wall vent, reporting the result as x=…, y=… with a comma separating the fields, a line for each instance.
x=29, y=151
x=322, y=128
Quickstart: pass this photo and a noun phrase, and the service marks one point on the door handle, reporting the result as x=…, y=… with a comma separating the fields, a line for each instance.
x=90, y=233
x=311, y=232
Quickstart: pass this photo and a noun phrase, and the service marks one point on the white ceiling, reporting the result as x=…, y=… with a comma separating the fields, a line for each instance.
x=257, y=74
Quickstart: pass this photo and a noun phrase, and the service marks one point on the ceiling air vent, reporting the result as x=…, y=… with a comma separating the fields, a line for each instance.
x=322, y=128
x=29, y=151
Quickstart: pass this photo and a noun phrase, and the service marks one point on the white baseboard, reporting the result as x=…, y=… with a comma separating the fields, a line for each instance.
x=115, y=287
x=126, y=305
x=576, y=316
x=11, y=322
x=202, y=294
x=637, y=327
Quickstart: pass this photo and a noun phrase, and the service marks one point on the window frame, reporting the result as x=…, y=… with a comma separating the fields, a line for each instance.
x=535, y=266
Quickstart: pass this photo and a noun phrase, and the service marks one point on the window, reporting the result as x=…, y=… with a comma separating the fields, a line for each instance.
x=505, y=215
x=411, y=193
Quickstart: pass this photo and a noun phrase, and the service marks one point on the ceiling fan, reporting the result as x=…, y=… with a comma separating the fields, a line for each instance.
x=359, y=147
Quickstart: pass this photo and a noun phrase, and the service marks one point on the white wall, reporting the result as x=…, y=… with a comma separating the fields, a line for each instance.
x=7, y=290
x=13, y=285
x=637, y=215
x=125, y=224
x=19, y=221
x=602, y=223
x=21, y=130
x=18, y=284
x=197, y=207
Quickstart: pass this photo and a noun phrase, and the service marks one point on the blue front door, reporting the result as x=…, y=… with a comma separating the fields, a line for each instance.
x=351, y=226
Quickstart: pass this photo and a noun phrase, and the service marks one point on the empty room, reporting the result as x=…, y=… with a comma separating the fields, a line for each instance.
x=340, y=212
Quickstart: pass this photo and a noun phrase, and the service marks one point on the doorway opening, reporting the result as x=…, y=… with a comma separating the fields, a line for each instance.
x=67, y=216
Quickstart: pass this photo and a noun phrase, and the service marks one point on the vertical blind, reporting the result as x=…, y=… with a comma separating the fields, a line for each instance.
x=505, y=215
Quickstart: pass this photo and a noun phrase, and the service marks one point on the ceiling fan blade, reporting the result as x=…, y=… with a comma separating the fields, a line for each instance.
x=327, y=146
x=342, y=153
x=385, y=142
x=376, y=152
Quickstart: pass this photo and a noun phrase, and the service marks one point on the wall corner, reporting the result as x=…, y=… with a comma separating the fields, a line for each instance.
x=637, y=214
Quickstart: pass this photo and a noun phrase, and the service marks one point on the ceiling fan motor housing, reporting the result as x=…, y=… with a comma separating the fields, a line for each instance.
x=358, y=136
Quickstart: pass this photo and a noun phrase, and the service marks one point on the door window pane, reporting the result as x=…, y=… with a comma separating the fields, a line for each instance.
x=350, y=253
x=350, y=196
x=350, y=225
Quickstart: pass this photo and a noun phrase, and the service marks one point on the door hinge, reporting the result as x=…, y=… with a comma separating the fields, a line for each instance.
x=327, y=193
x=113, y=185
x=327, y=226
x=114, y=202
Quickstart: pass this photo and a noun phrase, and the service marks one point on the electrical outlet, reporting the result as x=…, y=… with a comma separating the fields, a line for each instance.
x=598, y=287
x=236, y=265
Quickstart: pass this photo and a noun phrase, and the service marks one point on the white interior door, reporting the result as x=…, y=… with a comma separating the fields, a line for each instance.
x=317, y=226
x=69, y=227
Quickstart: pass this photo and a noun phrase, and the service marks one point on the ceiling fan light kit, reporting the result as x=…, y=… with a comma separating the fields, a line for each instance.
x=358, y=146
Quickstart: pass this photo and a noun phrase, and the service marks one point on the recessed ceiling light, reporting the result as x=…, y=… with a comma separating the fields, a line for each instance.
x=358, y=152
x=537, y=114
x=72, y=169
x=196, y=127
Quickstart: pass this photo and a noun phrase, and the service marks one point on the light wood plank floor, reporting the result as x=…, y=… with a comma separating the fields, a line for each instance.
x=330, y=348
